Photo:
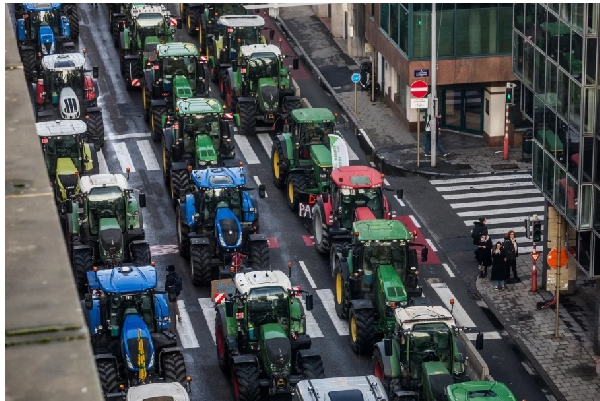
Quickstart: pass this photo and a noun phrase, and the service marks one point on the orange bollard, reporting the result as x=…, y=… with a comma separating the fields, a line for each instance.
x=534, y=279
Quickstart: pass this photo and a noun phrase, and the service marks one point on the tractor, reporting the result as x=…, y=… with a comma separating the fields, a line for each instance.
x=129, y=324
x=363, y=388
x=475, y=390
x=261, y=336
x=216, y=216
x=301, y=158
x=260, y=88
x=174, y=71
x=65, y=91
x=422, y=356
x=373, y=275
x=357, y=193
x=197, y=134
x=104, y=225
x=67, y=157
x=117, y=16
x=202, y=17
x=146, y=27
x=44, y=29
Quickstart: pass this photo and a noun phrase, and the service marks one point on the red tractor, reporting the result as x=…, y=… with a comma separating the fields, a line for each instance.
x=357, y=194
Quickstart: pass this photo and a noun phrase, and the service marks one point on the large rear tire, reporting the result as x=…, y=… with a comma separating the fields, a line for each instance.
x=82, y=263
x=247, y=112
x=200, y=258
x=362, y=330
x=183, y=242
x=296, y=183
x=378, y=369
x=259, y=255
x=28, y=60
x=107, y=373
x=222, y=350
x=290, y=105
x=174, y=368
x=140, y=255
x=340, y=292
x=156, y=123
x=245, y=382
x=132, y=69
x=312, y=368
x=320, y=232
x=179, y=180
x=95, y=128
x=193, y=20
x=279, y=165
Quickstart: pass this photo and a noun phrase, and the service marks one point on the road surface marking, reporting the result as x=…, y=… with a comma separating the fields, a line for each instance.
x=483, y=186
x=159, y=250
x=246, y=149
x=103, y=167
x=477, y=213
x=120, y=137
x=123, y=156
x=433, y=248
x=266, y=142
x=209, y=312
x=518, y=220
x=503, y=231
x=257, y=181
x=529, y=249
x=496, y=202
x=415, y=221
x=340, y=325
x=308, y=240
x=185, y=329
x=487, y=194
x=460, y=315
x=307, y=274
x=386, y=181
x=448, y=270
x=148, y=155
x=399, y=201
x=488, y=335
x=351, y=154
x=312, y=327
x=485, y=179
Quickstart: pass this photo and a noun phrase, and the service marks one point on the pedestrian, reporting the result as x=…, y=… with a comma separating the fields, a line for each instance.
x=438, y=142
x=498, y=274
x=479, y=229
x=174, y=281
x=511, y=249
x=484, y=255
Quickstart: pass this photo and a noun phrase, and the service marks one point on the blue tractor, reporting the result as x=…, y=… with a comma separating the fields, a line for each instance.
x=129, y=326
x=217, y=218
x=44, y=29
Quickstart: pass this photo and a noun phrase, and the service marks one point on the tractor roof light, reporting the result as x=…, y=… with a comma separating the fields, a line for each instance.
x=241, y=164
x=232, y=269
x=127, y=170
x=39, y=54
x=451, y=301
x=289, y=264
x=95, y=268
x=121, y=386
x=176, y=109
x=190, y=168
x=84, y=51
x=356, y=233
x=224, y=107
x=76, y=174
x=355, y=274
x=188, y=379
x=152, y=264
x=382, y=176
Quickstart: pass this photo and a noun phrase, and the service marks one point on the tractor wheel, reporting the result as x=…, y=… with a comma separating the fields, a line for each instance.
x=165, y=164
x=320, y=232
x=222, y=84
x=279, y=165
x=107, y=372
x=132, y=70
x=340, y=292
x=291, y=105
x=183, y=242
x=28, y=59
x=259, y=255
x=312, y=368
x=296, y=183
x=193, y=20
x=362, y=330
x=82, y=263
x=247, y=112
x=245, y=382
x=73, y=21
x=378, y=369
x=156, y=122
x=179, y=180
x=140, y=255
x=200, y=258
x=222, y=351
x=115, y=33
x=95, y=128
x=174, y=368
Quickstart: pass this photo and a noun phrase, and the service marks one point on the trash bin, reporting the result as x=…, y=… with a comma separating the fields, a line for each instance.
x=527, y=145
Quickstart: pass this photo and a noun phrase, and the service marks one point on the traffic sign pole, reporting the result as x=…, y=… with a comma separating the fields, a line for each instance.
x=434, y=127
x=558, y=269
x=356, y=80
x=418, y=137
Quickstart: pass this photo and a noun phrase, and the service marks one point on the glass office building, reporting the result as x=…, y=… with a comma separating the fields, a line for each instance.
x=555, y=56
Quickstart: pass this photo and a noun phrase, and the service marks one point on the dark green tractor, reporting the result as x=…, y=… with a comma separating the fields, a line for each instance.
x=261, y=336
x=198, y=134
x=117, y=16
x=373, y=275
x=201, y=18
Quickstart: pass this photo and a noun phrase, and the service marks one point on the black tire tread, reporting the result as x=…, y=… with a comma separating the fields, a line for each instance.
x=194, y=19
x=322, y=247
x=312, y=368
x=136, y=71
x=107, y=372
x=340, y=309
x=82, y=263
x=174, y=368
x=179, y=180
x=184, y=246
x=74, y=21
x=28, y=60
x=140, y=255
x=157, y=113
x=95, y=127
x=284, y=165
x=201, y=274
x=378, y=357
x=247, y=118
x=248, y=375
x=365, y=330
x=259, y=255
x=223, y=364
x=292, y=105
x=300, y=183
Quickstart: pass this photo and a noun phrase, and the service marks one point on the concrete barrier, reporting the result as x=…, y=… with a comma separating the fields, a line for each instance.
x=476, y=368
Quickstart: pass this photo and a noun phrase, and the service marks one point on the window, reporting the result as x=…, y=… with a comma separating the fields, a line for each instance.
x=575, y=66
x=564, y=46
x=592, y=22
x=404, y=30
x=587, y=159
x=528, y=63
x=560, y=189
x=479, y=35
x=445, y=31
x=504, y=29
x=575, y=106
x=519, y=21
x=539, y=84
x=597, y=212
x=589, y=112
x=577, y=16
x=549, y=176
x=591, y=64
x=538, y=164
x=586, y=206
x=551, y=28
x=384, y=17
x=584, y=255
x=394, y=23
x=517, y=54
x=563, y=94
x=540, y=34
x=372, y=11
x=529, y=19
x=597, y=170
x=551, y=83
x=401, y=90
x=554, y=7
x=421, y=35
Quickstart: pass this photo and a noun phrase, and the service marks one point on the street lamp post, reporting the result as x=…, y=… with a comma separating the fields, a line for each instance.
x=433, y=104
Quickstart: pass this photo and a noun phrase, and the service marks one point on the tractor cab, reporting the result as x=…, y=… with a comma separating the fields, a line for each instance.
x=234, y=31
x=43, y=23
x=480, y=391
x=151, y=24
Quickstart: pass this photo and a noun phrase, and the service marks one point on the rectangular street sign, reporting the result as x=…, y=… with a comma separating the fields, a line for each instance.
x=418, y=103
x=422, y=73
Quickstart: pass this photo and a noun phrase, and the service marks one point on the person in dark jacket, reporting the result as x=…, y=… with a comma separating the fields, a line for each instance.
x=479, y=229
x=484, y=255
x=511, y=250
x=498, y=275
x=170, y=282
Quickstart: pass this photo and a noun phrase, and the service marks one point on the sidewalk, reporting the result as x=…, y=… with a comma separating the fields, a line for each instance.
x=383, y=136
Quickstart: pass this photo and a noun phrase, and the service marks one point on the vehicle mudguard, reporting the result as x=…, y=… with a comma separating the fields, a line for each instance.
x=118, y=16
x=255, y=206
x=104, y=356
x=308, y=353
x=322, y=207
x=246, y=100
x=391, y=368
x=245, y=358
x=179, y=166
x=72, y=223
x=161, y=309
x=94, y=109
x=230, y=330
x=344, y=268
x=139, y=242
x=248, y=216
x=131, y=58
x=90, y=153
x=21, y=30
x=171, y=350
x=231, y=78
x=199, y=241
x=286, y=146
x=158, y=102
x=290, y=98
x=358, y=304
x=93, y=317
x=257, y=237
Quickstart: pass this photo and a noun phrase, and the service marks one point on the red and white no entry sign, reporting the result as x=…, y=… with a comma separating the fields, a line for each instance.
x=419, y=89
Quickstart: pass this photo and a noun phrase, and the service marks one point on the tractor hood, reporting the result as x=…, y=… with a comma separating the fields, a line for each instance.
x=69, y=104
x=111, y=238
x=46, y=40
x=320, y=155
x=205, y=151
x=132, y=327
x=268, y=94
x=66, y=176
x=227, y=227
x=277, y=348
x=391, y=284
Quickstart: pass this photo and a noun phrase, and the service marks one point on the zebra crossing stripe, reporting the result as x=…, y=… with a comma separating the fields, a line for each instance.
x=244, y=145
x=483, y=186
x=266, y=142
x=495, y=202
x=209, y=312
x=326, y=296
x=482, y=179
x=148, y=155
x=102, y=166
x=184, y=328
x=496, y=212
x=123, y=156
x=312, y=327
x=489, y=194
x=511, y=220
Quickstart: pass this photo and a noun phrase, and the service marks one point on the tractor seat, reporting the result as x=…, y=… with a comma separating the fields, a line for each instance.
x=443, y=345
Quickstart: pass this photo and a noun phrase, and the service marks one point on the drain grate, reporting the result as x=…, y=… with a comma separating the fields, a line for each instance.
x=475, y=296
x=505, y=166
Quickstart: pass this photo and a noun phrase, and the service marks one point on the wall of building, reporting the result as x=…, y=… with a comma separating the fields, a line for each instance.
x=494, y=116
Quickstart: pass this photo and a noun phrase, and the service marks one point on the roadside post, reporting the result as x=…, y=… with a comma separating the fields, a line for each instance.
x=534, y=222
x=356, y=80
x=419, y=90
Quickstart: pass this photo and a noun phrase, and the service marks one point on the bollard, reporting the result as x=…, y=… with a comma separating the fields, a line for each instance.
x=534, y=257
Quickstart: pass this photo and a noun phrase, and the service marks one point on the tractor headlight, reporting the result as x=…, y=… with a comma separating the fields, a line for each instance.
x=52, y=48
x=403, y=304
x=323, y=176
x=128, y=361
x=166, y=319
x=222, y=240
x=202, y=163
x=252, y=209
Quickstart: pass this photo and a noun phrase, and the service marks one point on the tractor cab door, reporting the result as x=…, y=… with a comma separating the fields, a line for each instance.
x=189, y=139
x=347, y=205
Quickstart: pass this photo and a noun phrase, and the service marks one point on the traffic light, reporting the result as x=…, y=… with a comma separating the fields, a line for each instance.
x=537, y=231
x=510, y=96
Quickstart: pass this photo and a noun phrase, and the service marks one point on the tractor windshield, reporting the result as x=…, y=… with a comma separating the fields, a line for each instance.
x=105, y=202
x=361, y=197
x=246, y=36
x=268, y=305
x=122, y=305
x=430, y=342
x=67, y=78
x=58, y=147
x=49, y=17
x=199, y=124
x=261, y=65
x=316, y=133
x=385, y=253
x=180, y=66
x=219, y=197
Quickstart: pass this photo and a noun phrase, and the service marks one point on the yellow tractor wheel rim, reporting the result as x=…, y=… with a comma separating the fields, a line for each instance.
x=144, y=99
x=200, y=33
x=338, y=288
x=164, y=155
x=189, y=22
x=276, y=164
x=353, y=328
x=180, y=8
x=152, y=121
x=291, y=192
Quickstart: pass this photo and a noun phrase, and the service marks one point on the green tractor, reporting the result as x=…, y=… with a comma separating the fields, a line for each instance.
x=301, y=156
x=104, y=226
x=423, y=355
x=173, y=71
x=476, y=391
x=198, y=134
x=201, y=18
x=373, y=275
x=146, y=27
x=117, y=15
x=261, y=336
x=260, y=88
x=66, y=155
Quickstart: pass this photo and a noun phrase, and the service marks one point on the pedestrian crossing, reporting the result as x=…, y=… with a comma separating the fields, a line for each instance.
x=504, y=200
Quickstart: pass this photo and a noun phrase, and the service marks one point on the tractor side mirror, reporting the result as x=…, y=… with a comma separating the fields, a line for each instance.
x=400, y=193
x=142, y=200
x=69, y=206
x=272, y=34
x=229, y=308
x=94, y=71
x=88, y=302
x=262, y=191
x=176, y=152
x=172, y=295
x=309, y=302
x=295, y=64
x=459, y=358
x=234, y=65
x=179, y=23
x=479, y=341
x=325, y=197
x=387, y=347
x=424, y=253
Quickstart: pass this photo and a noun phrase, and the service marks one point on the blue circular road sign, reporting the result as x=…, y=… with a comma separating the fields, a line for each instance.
x=356, y=78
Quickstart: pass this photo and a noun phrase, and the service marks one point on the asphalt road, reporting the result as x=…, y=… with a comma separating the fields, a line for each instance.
x=129, y=145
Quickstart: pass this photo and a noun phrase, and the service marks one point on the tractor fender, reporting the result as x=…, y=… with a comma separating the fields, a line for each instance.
x=137, y=242
x=388, y=370
x=358, y=304
x=246, y=100
x=179, y=166
x=386, y=204
x=94, y=109
x=158, y=102
x=168, y=137
x=246, y=358
x=231, y=342
x=286, y=146
x=257, y=237
x=170, y=350
x=324, y=209
x=290, y=98
x=105, y=356
x=131, y=58
x=82, y=248
x=117, y=16
x=199, y=241
x=308, y=353
x=26, y=47
x=231, y=79
x=345, y=269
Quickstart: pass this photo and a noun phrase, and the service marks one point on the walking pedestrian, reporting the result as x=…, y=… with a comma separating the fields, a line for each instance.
x=511, y=250
x=498, y=274
x=484, y=255
x=174, y=281
x=438, y=142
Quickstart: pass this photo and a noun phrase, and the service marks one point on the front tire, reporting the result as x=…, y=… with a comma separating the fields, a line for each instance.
x=28, y=60
x=82, y=264
x=340, y=293
x=174, y=368
x=245, y=382
x=279, y=165
x=140, y=255
x=179, y=180
x=107, y=373
x=222, y=350
x=157, y=114
x=312, y=368
x=320, y=232
x=296, y=183
x=247, y=112
x=259, y=255
x=362, y=330
x=95, y=128
x=200, y=258
x=183, y=242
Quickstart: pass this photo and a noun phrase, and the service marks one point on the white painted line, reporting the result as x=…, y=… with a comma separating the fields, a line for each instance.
x=246, y=149
x=414, y=221
x=433, y=248
x=487, y=194
x=448, y=270
x=503, y=231
x=529, y=249
x=460, y=315
x=123, y=156
x=497, y=202
x=399, y=201
x=497, y=212
x=517, y=221
x=102, y=166
x=527, y=367
x=386, y=181
x=266, y=142
x=312, y=327
x=117, y=137
x=326, y=297
x=185, y=329
x=351, y=153
x=257, y=180
x=487, y=335
x=484, y=186
x=209, y=312
x=148, y=155
x=372, y=164
x=480, y=179
x=307, y=274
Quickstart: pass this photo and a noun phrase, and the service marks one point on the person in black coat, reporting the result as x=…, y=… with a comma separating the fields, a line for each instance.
x=484, y=255
x=511, y=249
x=498, y=275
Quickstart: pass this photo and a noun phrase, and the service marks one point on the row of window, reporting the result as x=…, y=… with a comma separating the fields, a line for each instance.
x=530, y=17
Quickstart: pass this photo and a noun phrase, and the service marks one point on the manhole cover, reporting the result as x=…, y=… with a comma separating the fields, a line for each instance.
x=462, y=166
x=505, y=166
